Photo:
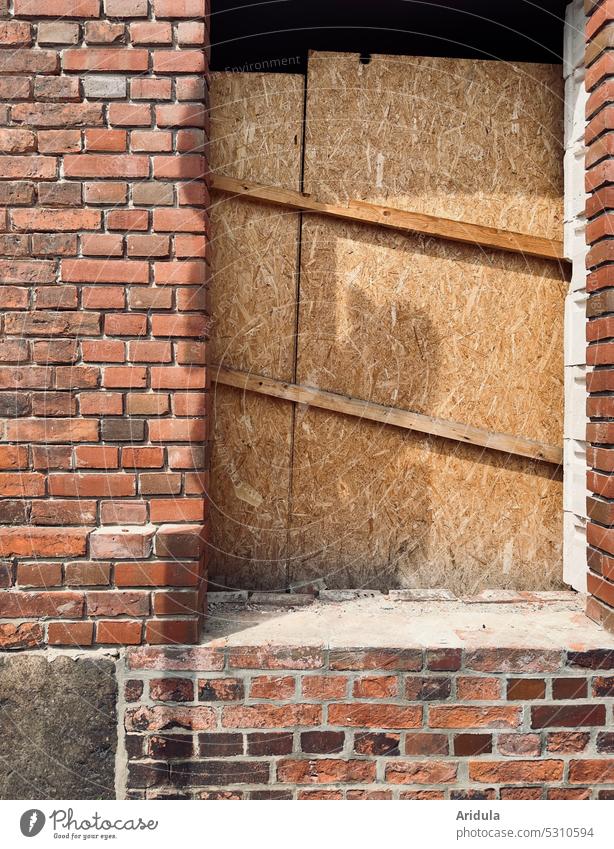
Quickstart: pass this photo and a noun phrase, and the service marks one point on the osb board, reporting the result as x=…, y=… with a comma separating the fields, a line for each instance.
x=256, y=133
x=376, y=506
x=432, y=326
x=249, y=490
x=477, y=141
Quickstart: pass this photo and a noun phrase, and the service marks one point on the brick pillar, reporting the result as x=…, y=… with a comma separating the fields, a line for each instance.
x=600, y=319
x=102, y=291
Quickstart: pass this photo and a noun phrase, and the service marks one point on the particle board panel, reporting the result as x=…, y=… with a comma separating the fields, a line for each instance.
x=377, y=507
x=478, y=141
x=443, y=329
x=433, y=327
x=256, y=131
x=250, y=479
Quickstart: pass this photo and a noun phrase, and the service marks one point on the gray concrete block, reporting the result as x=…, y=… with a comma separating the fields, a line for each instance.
x=58, y=721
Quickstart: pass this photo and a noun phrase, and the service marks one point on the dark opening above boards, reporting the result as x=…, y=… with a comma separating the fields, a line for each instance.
x=275, y=35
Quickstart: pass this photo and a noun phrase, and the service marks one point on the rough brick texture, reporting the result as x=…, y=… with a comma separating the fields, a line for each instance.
x=104, y=320
x=256, y=722
x=600, y=309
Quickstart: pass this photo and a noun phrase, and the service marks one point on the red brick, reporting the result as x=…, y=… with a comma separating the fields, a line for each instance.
x=325, y=771
x=179, y=220
x=592, y=772
x=101, y=166
x=410, y=660
x=161, y=717
x=96, y=457
x=130, y=115
x=109, y=271
x=104, y=351
x=114, y=603
x=515, y=772
x=457, y=716
x=121, y=542
x=70, y=633
x=43, y=542
x=375, y=716
x=175, y=603
x=120, y=632
x=57, y=8
x=128, y=219
x=180, y=273
x=25, y=635
x=97, y=485
x=99, y=60
x=155, y=574
x=56, y=512
x=17, y=141
x=56, y=457
x=123, y=512
x=324, y=687
x=126, y=8
x=13, y=33
x=203, y=658
x=191, y=32
x=513, y=745
x=421, y=772
x=375, y=687
x=151, y=32
x=566, y=716
x=526, y=688
x=102, y=244
x=179, y=325
x=143, y=458
x=478, y=689
x=111, y=141
x=425, y=744
x=125, y=324
x=56, y=604
x=567, y=742
x=39, y=574
x=81, y=574
x=221, y=690
x=13, y=457
x=270, y=716
x=149, y=246
x=179, y=8
x=179, y=631
x=57, y=114
x=513, y=660
x=272, y=687
x=103, y=297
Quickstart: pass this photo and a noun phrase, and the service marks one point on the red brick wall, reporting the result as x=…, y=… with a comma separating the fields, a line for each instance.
x=262, y=722
x=600, y=322
x=102, y=295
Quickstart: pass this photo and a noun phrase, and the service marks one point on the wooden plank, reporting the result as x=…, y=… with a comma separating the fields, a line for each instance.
x=388, y=415
x=398, y=219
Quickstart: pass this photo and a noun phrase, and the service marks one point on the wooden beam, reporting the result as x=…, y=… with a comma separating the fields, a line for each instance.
x=388, y=415
x=398, y=219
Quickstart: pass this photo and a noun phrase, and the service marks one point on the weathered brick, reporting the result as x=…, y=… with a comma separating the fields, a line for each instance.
x=42, y=542
x=57, y=604
x=516, y=771
x=421, y=772
x=567, y=716
x=457, y=716
x=263, y=743
x=271, y=716
x=324, y=771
